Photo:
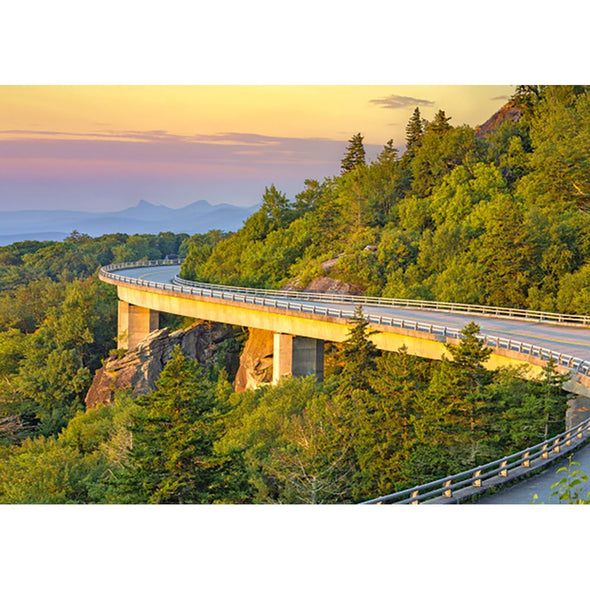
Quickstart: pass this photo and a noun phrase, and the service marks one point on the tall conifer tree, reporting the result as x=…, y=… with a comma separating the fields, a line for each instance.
x=172, y=460
x=389, y=154
x=414, y=131
x=355, y=154
x=440, y=123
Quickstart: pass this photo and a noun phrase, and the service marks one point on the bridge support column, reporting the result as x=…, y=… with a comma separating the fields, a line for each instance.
x=297, y=356
x=134, y=324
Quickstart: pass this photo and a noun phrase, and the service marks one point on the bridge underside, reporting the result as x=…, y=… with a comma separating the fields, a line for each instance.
x=299, y=337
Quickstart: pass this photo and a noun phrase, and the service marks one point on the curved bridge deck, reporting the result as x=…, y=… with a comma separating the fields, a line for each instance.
x=516, y=341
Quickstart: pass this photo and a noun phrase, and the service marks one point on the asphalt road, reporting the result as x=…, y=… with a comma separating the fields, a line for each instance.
x=522, y=492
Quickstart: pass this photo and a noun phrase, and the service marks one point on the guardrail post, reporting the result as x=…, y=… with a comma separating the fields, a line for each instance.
x=504, y=470
x=579, y=433
x=556, y=446
x=477, y=482
x=544, y=454
x=526, y=462
x=413, y=495
x=447, y=491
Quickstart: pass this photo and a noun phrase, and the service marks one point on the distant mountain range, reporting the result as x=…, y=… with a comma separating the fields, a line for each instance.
x=144, y=218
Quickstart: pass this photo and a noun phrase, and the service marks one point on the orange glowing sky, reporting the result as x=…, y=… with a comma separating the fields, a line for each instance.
x=105, y=147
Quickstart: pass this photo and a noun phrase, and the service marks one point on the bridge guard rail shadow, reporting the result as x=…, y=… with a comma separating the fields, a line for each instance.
x=464, y=486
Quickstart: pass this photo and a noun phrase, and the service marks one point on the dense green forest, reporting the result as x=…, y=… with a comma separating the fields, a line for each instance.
x=499, y=219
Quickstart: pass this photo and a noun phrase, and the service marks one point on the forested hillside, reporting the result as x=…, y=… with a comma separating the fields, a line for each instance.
x=57, y=322
x=498, y=217
x=497, y=220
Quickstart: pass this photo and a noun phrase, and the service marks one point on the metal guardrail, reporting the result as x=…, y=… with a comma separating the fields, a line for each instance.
x=501, y=312
x=476, y=477
x=443, y=306
x=281, y=300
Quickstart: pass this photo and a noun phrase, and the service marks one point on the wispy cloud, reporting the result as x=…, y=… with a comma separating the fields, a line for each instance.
x=501, y=97
x=395, y=101
x=157, y=136
x=25, y=153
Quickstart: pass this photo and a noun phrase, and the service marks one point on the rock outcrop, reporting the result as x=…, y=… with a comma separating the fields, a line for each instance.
x=255, y=361
x=578, y=409
x=330, y=285
x=509, y=112
x=140, y=368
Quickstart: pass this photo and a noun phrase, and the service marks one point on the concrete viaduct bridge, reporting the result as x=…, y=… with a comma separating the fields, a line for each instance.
x=301, y=322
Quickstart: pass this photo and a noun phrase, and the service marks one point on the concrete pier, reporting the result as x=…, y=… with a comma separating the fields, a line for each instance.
x=134, y=324
x=297, y=356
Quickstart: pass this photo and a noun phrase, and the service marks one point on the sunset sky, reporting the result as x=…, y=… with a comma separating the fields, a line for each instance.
x=104, y=148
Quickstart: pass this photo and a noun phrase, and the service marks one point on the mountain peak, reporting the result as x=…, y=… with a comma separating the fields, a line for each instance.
x=143, y=204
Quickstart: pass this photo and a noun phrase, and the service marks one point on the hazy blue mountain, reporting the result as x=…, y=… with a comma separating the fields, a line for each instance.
x=198, y=217
x=40, y=236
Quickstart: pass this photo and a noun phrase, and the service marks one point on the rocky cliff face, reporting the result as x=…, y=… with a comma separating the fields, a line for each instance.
x=255, y=361
x=330, y=285
x=140, y=368
x=509, y=112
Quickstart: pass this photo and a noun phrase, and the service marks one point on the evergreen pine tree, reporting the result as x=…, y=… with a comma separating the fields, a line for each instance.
x=471, y=379
x=358, y=354
x=440, y=123
x=276, y=207
x=355, y=154
x=414, y=131
x=172, y=459
x=553, y=400
x=388, y=155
